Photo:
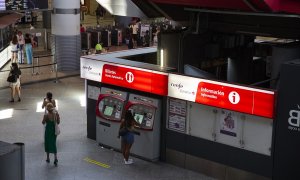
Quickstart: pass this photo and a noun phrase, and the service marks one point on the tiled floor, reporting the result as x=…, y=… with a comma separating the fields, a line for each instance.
x=73, y=147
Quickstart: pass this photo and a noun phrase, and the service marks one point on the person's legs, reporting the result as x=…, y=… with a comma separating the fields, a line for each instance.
x=127, y=151
x=18, y=90
x=12, y=93
x=28, y=49
x=14, y=57
x=30, y=55
x=123, y=144
x=48, y=159
x=55, y=159
x=21, y=54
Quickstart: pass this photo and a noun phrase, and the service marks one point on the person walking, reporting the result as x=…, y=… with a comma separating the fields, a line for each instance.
x=99, y=13
x=48, y=99
x=21, y=42
x=28, y=48
x=14, y=49
x=51, y=119
x=127, y=139
x=134, y=30
x=16, y=85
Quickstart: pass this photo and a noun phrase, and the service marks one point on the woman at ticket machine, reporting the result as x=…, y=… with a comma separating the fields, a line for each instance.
x=127, y=139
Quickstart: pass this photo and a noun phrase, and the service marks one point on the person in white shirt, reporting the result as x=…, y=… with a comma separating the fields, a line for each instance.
x=21, y=42
x=14, y=49
x=31, y=27
x=134, y=30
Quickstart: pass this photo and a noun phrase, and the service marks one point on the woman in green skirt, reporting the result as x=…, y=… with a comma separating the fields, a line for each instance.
x=50, y=119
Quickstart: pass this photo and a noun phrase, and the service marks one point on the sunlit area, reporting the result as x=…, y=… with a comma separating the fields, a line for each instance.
x=6, y=113
x=82, y=100
x=39, y=106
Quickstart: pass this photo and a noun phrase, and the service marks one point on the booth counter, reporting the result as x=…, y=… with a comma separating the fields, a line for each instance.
x=191, y=122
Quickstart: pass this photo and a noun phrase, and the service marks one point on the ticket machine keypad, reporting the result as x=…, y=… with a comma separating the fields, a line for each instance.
x=111, y=108
x=143, y=115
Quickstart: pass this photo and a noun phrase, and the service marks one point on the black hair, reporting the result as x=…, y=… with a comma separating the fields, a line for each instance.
x=14, y=65
x=128, y=118
x=49, y=95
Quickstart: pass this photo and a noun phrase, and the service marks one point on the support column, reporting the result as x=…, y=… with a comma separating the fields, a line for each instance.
x=65, y=22
x=239, y=69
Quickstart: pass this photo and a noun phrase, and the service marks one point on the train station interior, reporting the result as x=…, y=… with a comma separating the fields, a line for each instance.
x=211, y=86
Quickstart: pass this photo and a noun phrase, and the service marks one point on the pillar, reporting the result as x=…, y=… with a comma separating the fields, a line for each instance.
x=65, y=22
x=240, y=65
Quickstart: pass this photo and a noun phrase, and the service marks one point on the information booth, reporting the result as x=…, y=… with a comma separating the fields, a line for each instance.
x=224, y=126
x=114, y=85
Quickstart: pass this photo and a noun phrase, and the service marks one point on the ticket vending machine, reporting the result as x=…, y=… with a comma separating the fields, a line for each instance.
x=147, y=113
x=109, y=110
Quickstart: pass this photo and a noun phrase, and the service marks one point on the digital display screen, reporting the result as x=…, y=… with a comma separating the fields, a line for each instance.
x=2, y=5
x=25, y=4
x=108, y=110
x=138, y=118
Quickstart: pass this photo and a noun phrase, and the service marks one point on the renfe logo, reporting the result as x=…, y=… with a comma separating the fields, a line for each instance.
x=294, y=119
x=179, y=86
x=129, y=77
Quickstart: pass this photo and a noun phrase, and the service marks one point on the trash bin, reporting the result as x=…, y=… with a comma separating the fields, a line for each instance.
x=22, y=158
x=12, y=161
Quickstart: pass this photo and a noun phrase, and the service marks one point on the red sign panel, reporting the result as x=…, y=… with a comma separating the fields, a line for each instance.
x=142, y=80
x=242, y=99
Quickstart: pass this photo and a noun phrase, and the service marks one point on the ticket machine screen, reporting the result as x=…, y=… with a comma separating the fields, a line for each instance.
x=108, y=111
x=111, y=108
x=138, y=118
x=143, y=115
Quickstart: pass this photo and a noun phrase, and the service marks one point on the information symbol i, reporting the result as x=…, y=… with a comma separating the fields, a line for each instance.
x=129, y=77
x=234, y=97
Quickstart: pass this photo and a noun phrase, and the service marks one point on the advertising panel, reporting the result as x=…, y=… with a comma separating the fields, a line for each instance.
x=25, y=4
x=228, y=123
x=223, y=95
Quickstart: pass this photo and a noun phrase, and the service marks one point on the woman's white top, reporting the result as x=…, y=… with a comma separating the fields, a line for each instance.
x=14, y=47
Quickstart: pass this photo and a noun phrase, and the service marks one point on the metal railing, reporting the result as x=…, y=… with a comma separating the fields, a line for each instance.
x=35, y=67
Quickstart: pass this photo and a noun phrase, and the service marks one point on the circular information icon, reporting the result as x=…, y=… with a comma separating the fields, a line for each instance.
x=129, y=77
x=234, y=97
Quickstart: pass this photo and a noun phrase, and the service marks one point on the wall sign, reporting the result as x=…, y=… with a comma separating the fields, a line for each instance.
x=177, y=115
x=223, y=95
x=129, y=77
x=93, y=92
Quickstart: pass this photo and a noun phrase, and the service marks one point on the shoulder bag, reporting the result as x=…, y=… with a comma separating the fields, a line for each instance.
x=123, y=131
x=12, y=78
x=57, y=129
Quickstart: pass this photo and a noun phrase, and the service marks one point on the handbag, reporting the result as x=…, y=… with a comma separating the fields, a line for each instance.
x=123, y=131
x=57, y=129
x=12, y=78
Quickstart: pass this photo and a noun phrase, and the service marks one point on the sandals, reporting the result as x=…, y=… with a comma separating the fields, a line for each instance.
x=55, y=162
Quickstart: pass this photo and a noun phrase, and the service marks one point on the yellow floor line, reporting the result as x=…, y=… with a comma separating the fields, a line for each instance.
x=96, y=162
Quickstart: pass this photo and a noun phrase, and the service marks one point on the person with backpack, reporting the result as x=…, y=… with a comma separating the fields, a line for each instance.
x=14, y=82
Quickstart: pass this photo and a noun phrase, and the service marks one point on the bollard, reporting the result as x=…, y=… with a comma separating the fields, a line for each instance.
x=32, y=65
x=56, y=80
x=22, y=159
